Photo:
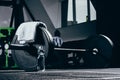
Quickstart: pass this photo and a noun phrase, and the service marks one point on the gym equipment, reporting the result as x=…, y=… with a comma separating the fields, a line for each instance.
x=103, y=46
x=97, y=53
x=25, y=56
x=5, y=38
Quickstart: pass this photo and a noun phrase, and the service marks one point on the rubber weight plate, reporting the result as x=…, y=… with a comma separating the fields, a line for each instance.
x=103, y=45
x=27, y=59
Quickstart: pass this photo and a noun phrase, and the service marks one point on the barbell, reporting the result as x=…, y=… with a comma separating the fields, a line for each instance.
x=25, y=56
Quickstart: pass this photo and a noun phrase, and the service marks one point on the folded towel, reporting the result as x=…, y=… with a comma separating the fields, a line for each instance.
x=26, y=31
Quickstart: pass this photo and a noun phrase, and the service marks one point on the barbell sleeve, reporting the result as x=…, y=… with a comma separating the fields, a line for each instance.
x=68, y=49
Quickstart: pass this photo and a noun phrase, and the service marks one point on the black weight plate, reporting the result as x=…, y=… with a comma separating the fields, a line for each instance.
x=104, y=46
x=27, y=60
x=48, y=40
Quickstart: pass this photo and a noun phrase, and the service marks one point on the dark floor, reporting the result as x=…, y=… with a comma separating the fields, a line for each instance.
x=60, y=74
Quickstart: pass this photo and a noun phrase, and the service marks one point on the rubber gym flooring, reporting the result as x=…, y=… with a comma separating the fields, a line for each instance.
x=62, y=74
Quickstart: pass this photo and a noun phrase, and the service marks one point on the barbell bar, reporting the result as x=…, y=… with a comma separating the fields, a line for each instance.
x=27, y=47
x=23, y=57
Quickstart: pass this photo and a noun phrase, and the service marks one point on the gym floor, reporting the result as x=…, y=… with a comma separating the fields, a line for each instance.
x=62, y=74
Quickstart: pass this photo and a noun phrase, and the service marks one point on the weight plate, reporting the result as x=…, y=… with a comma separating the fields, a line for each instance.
x=103, y=45
x=27, y=59
x=48, y=47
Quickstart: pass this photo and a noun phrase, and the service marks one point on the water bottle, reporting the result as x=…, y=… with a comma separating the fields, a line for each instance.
x=41, y=60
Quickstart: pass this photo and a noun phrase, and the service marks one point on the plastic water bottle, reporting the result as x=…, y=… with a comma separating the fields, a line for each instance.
x=41, y=59
x=41, y=62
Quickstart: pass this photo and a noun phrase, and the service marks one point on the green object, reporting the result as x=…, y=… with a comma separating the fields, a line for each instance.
x=6, y=59
x=15, y=66
x=10, y=29
x=7, y=28
x=1, y=35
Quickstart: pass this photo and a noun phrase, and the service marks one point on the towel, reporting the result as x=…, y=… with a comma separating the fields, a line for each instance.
x=26, y=31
